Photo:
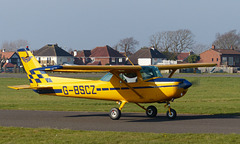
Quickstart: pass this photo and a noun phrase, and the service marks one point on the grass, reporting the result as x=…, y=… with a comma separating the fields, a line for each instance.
x=45, y=135
x=213, y=95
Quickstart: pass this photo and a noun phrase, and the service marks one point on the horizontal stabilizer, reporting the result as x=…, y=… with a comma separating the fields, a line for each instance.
x=18, y=87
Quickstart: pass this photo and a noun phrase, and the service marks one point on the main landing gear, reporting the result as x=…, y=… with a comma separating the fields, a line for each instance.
x=115, y=113
x=151, y=111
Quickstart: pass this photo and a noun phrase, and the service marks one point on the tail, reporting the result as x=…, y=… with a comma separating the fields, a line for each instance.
x=29, y=62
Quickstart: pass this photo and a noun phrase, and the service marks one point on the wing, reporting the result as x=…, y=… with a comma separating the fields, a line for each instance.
x=87, y=68
x=181, y=66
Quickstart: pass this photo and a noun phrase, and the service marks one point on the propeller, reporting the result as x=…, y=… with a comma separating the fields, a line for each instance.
x=195, y=82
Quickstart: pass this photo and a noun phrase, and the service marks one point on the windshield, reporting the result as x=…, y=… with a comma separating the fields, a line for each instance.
x=107, y=77
x=148, y=72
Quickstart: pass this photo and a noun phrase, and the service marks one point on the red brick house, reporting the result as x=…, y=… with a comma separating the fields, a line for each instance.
x=9, y=57
x=107, y=55
x=183, y=57
x=81, y=57
x=222, y=57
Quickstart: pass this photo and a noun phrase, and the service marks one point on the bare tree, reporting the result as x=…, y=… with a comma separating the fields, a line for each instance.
x=227, y=40
x=199, y=48
x=173, y=42
x=155, y=40
x=128, y=45
x=14, y=45
x=182, y=40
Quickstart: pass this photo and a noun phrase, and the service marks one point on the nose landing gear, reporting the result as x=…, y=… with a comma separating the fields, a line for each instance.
x=171, y=113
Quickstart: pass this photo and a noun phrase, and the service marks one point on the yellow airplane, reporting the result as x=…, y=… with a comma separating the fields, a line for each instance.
x=123, y=84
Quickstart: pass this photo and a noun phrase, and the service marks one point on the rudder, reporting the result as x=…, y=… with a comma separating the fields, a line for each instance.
x=29, y=62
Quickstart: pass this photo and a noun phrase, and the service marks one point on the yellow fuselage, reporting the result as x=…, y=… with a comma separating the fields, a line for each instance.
x=153, y=90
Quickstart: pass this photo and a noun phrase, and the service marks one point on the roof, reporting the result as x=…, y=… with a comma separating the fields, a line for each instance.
x=95, y=63
x=105, y=51
x=146, y=53
x=226, y=51
x=51, y=50
x=7, y=55
x=183, y=56
x=84, y=53
x=8, y=65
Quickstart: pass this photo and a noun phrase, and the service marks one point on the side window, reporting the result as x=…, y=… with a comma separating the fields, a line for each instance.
x=129, y=77
x=107, y=77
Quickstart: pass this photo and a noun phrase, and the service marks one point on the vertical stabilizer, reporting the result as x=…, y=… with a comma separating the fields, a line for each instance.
x=29, y=62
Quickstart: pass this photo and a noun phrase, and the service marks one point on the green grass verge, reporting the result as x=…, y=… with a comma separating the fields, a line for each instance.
x=213, y=95
x=45, y=135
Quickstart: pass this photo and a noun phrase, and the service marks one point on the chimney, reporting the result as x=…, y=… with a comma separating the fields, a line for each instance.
x=232, y=47
x=74, y=52
x=213, y=46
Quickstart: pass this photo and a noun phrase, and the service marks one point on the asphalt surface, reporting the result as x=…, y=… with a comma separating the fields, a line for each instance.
x=130, y=122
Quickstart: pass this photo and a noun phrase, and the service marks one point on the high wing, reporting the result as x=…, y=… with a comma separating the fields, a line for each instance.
x=181, y=66
x=86, y=68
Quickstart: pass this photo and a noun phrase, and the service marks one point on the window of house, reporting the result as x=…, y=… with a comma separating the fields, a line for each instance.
x=217, y=59
x=230, y=61
x=120, y=60
x=39, y=59
x=237, y=60
x=212, y=59
x=113, y=60
x=49, y=60
x=224, y=60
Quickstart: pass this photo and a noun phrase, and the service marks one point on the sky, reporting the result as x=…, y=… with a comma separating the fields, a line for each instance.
x=86, y=24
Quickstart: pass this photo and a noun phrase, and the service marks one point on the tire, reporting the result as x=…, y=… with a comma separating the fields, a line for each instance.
x=171, y=115
x=151, y=111
x=115, y=114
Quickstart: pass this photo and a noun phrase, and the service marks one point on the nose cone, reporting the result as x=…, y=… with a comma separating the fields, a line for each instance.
x=185, y=84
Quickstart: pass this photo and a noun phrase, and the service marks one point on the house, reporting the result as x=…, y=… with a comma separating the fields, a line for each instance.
x=147, y=56
x=222, y=57
x=52, y=54
x=106, y=55
x=81, y=57
x=9, y=57
x=183, y=57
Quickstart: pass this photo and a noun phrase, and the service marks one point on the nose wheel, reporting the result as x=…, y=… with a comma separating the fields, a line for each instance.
x=171, y=113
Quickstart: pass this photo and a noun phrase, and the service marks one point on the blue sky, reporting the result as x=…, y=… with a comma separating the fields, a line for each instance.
x=85, y=24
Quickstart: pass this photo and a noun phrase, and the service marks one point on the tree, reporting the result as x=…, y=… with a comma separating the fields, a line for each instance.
x=193, y=58
x=128, y=45
x=173, y=42
x=227, y=40
x=199, y=48
x=14, y=45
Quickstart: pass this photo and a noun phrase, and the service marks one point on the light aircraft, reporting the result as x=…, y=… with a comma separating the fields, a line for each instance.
x=123, y=84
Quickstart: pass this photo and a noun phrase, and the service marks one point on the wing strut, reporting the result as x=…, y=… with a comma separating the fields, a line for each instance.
x=127, y=85
x=173, y=71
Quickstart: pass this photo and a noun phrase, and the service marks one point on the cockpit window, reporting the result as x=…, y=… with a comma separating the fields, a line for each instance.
x=107, y=77
x=129, y=77
x=148, y=72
